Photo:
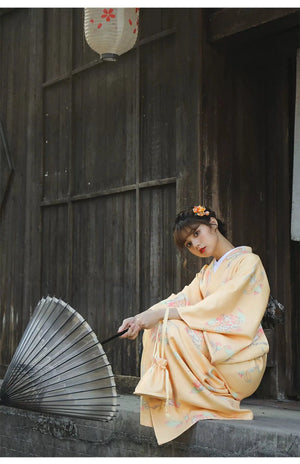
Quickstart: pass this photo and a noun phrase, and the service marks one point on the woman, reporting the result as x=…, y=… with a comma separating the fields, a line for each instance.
x=204, y=349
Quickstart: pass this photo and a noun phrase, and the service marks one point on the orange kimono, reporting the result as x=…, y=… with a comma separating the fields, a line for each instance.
x=202, y=366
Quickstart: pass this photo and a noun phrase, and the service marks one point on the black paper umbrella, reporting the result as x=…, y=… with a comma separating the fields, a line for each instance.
x=60, y=367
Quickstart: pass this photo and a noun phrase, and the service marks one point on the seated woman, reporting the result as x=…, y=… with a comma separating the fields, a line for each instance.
x=204, y=349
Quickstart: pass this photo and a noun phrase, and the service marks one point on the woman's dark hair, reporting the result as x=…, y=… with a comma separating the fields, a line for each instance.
x=187, y=221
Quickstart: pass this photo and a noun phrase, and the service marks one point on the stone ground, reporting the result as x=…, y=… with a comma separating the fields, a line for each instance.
x=274, y=432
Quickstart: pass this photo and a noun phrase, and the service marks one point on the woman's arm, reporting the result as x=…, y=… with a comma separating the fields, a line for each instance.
x=149, y=318
x=146, y=320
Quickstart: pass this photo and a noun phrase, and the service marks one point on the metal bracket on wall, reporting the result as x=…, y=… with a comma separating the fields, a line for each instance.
x=6, y=167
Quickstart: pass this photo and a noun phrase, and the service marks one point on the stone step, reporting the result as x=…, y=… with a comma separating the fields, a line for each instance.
x=274, y=432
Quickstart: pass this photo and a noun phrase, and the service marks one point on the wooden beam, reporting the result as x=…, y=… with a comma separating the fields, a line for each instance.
x=110, y=191
x=4, y=11
x=230, y=22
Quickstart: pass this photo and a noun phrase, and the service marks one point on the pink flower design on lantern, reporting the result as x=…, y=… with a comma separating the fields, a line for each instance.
x=137, y=22
x=108, y=14
x=99, y=25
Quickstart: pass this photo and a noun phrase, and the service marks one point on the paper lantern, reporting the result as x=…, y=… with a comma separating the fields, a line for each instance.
x=111, y=31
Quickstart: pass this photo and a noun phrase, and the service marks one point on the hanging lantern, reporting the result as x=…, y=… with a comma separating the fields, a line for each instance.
x=111, y=31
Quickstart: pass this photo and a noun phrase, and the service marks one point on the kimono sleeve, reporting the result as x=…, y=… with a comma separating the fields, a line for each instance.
x=237, y=306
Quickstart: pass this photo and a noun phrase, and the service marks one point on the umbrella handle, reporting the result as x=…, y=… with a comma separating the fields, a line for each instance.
x=114, y=336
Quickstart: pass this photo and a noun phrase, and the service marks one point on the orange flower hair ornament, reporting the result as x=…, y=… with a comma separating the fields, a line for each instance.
x=200, y=211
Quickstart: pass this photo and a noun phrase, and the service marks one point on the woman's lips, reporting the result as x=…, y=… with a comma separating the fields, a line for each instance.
x=202, y=250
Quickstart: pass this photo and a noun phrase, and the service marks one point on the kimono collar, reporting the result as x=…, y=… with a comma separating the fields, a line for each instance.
x=237, y=250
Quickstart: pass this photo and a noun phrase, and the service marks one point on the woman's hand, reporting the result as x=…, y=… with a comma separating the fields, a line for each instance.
x=144, y=320
x=130, y=324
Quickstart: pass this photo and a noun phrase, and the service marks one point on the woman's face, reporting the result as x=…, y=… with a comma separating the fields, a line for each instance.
x=202, y=242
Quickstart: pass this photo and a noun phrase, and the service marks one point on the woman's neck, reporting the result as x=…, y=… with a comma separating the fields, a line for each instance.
x=223, y=247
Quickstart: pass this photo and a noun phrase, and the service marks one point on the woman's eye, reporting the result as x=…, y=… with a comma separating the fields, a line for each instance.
x=196, y=233
x=188, y=245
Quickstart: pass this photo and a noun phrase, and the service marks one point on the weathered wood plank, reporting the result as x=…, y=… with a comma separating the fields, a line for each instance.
x=158, y=97
x=57, y=140
x=54, y=269
x=157, y=213
x=4, y=11
x=34, y=124
x=188, y=80
x=58, y=41
x=19, y=228
x=106, y=192
x=104, y=126
x=229, y=22
x=280, y=82
x=103, y=271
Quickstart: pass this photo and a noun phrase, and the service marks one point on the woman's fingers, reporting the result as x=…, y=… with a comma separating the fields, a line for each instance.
x=126, y=324
x=133, y=331
x=133, y=327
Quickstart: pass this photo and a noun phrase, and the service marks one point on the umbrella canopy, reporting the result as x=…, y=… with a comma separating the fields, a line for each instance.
x=60, y=367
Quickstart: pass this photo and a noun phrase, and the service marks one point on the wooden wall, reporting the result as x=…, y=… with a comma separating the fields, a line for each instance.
x=106, y=170
x=20, y=113
x=105, y=154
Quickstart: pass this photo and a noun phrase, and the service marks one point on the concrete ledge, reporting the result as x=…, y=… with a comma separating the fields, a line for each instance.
x=273, y=433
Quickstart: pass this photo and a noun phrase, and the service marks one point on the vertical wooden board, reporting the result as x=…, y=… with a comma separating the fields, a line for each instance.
x=172, y=17
x=58, y=42
x=13, y=112
x=103, y=271
x=14, y=84
x=5, y=167
x=218, y=134
x=158, y=109
x=54, y=272
x=234, y=171
x=104, y=124
x=56, y=140
x=82, y=52
x=157, y=250
x=279, y=143
x=150, y=22
x=249, y=160
x=12, y=313
x=188, y=78
x=156, y=20
x=34, y=125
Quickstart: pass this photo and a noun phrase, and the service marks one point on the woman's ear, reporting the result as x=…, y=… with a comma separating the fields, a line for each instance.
x=213, y=221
